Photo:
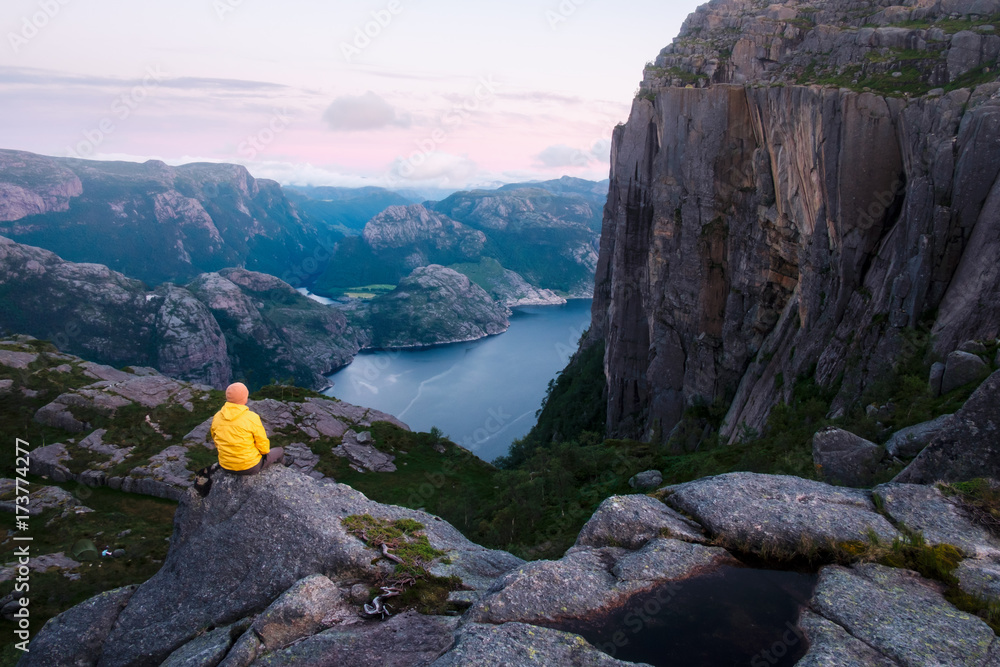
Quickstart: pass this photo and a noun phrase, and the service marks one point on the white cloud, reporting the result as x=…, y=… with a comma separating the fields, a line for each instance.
x=363, y=112
x=437, y=167
x=561, y=155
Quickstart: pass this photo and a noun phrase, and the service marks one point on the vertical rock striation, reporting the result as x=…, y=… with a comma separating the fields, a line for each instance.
x=760, y=226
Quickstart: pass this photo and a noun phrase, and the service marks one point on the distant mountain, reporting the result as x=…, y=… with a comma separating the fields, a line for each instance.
x=155, y=222
x=544, y=238
x=344, y=209
x=594, y=191
x=225, y=325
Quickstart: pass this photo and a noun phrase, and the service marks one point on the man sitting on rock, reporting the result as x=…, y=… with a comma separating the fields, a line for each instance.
x=240, y=437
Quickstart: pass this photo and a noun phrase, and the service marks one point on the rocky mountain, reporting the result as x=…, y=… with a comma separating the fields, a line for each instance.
x=506, y=287
x=234, y=323
x=546, y=236
x=190, y=219
x=431, y=306
x=801, y=191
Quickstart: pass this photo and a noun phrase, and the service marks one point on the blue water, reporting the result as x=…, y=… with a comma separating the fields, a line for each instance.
x=483, y=395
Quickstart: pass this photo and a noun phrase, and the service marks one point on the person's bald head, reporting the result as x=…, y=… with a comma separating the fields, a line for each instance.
x=237, y=393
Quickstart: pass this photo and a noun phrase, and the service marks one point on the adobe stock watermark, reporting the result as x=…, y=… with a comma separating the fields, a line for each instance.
x=483, y=95
x=779, y=649
x=224, y=8
x=366, y=34
x=496, y=421
x=562, y=12
x=122, y=108
x=32, y=26
x=638, y=619
x=255, y=143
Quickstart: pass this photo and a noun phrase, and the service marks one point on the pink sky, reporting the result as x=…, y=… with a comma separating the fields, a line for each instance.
x=446, y=94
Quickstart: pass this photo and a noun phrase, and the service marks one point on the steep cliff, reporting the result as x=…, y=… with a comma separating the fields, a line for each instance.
x=797, y=190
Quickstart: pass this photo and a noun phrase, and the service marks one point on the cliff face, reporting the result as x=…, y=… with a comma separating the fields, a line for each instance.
x=754, y=232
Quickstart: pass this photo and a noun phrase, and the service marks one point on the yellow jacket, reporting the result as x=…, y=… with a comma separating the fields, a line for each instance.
x=239, y=436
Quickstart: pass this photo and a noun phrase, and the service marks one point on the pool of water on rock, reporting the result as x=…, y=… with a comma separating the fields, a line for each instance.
x=733, y=616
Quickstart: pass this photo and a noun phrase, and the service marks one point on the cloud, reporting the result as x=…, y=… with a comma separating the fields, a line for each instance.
x=364, y=112
x=443, y=168
x=562, y=155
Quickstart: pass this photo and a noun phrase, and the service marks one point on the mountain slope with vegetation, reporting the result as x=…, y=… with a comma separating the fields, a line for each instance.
x=191, y=219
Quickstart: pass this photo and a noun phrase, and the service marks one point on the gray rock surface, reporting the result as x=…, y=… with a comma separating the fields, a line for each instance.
x=960, y=369
x=766, y=512
x=632, y=521
x=908, y=442
x=507, y=287
x=845, y=458
x=280, y=525
x=832, y=646
x=937, y=518
x=980, y=578
x=936, y=378
x=650, y=479
x=76, y=636
x=208, y=649
x=403, y=640
x=967, y=447
x=364, y=456
x=299, y=612
x=588, y=581
x=516, y=644
x=914, y=624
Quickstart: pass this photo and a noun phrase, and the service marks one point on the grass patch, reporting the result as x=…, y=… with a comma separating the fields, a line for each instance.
x=404, y=542
x=150, y=521
x=287, y=393
x=980, y=498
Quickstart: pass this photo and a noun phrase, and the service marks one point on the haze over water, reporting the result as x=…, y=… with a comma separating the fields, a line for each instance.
x=483, y=395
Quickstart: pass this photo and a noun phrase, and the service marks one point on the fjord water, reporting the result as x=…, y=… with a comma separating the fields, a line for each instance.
x=484, y=394
x=735, y=616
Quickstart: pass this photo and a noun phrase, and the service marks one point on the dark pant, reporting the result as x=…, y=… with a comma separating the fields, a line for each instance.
x=276, y=455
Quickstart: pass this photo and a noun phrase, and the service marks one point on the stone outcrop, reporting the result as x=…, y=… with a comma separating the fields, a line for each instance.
x=588, y=581
x=91, y=456
x=232, y=323
x=968, y=446
x=914, y=624
x=763, y=224
x=762, y=513
x=846, y=458
x=910, y=441
x=962, y=368
x=631, y=521
x=403, y=226
x=432, y=305
x=241, y=517
x=926, y=510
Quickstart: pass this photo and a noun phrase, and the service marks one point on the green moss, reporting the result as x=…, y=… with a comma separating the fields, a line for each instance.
x=150, y=521
x=423, y=591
